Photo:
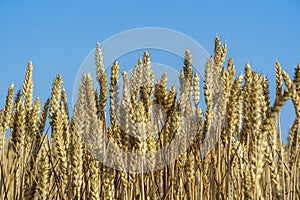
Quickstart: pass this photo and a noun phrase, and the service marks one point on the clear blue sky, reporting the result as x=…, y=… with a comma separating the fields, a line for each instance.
x=57, y=35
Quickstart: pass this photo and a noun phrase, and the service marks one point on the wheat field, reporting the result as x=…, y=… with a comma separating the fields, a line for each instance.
x=231, y=148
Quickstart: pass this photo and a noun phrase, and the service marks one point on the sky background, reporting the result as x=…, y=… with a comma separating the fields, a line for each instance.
x=58, y=35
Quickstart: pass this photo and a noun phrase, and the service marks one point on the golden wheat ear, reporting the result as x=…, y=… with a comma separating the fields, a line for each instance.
x=220, y=53
x=27, y=90
x=5, y=115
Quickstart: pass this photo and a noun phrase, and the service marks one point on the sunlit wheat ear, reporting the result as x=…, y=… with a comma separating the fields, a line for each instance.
x=136, y=77
x=95, y=134
x=232, y=109
x=219, y=53
x=208, y=95
x=34, y=136
x=18, y=126
x=148, y=74
x=206, y=176
x=78, y=132
x=31, y=143
x=17, y=134
x=85, y=127
x=278, y=73
x=27, y=89
x=99, y=62
x=43, y=117
x=34, y=118
x=269, y=129
x=297, y=78
x=147, y=82
x=170, y=100
x=43, y=166
x=64, y=99
x=188, y=67
x=256, y=147
x=295, y=95
x=61, y=151
x=247, y=193
x=160, y=92
x=246, y=107
x=126, y=125
x=286, y=78
x=265, y=104
x=76, y=150
x=196, y=90
x=102, y=80
x=8, y=107
x=114, y=92
x=6, y=115
x=95, y=182
x=190, y=172
x=256, y=98
x=55, y=100
x=125, y=104
x=281, y=101
x=228, y=76
x=223, y=53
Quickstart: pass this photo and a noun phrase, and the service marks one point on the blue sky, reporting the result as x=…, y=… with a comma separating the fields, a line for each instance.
x=58, y=35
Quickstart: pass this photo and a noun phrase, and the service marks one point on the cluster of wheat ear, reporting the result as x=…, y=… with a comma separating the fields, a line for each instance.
x=231, y=149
